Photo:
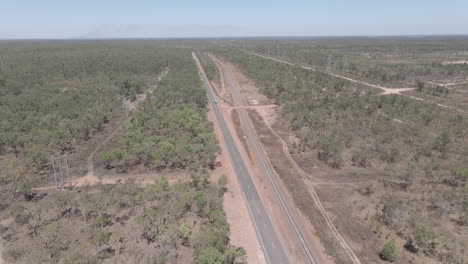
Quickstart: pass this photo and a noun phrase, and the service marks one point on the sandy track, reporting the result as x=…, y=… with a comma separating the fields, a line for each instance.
x=2, y=261
x=143, y=179
x=386, y=90
x=441, y=105
x=314, y=196
x=447, y=84
x=129, y=106
x=89, y=160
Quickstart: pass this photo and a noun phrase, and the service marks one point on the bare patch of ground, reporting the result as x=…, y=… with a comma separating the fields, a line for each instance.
x=1, y=258
x=249, y=92
x=455, y=62
x=141, y=179
x=219, y=84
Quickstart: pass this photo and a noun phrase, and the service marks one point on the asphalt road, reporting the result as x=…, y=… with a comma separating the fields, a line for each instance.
x=266, y=233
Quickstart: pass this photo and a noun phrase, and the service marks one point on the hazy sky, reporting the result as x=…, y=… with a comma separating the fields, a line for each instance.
x=210, y=18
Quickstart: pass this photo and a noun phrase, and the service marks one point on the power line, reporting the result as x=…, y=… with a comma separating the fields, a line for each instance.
x=345, y=63
x=55, y=174
x=329, y=63
x=68, y=172
x=61, y=173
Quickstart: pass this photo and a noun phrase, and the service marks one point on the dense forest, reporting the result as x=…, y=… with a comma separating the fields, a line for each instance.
x=169, y=130
x=55, y=98
x=412, y=144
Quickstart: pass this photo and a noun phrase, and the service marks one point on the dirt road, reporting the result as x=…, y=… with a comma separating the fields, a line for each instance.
x=2, y=261
x=386, y=90
x=129, y=106
x=315, y=197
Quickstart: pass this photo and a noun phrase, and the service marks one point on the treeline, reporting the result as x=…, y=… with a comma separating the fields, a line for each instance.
x=386, y=62
x=54, y=95
x=419, y=144
x=169, y=130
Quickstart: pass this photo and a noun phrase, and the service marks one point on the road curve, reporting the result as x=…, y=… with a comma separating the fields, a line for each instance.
x=266, y=233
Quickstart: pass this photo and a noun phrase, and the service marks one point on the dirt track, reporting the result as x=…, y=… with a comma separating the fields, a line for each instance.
x=1, y=258
x=314, y=196
x=129, y=106
x=386, y=90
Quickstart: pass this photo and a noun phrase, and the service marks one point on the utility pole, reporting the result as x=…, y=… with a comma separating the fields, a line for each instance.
x=345, y=63
x=125, y=107
x=329, y=63
x=55, y=174
x=126, y=111
x=61, y=173
x=68, y=172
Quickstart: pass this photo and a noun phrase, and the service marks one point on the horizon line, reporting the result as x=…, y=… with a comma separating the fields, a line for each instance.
x=239, y=37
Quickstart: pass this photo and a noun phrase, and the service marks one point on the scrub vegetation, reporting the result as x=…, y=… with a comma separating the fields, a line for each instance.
x=56, y=97
x=417, y=151
x=169, y=130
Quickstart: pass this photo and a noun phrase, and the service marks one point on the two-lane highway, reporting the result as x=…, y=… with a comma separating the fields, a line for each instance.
x=301, y=243
x=266, y=233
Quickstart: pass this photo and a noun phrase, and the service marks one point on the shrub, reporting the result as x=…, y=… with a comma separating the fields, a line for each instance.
x=223, y=180
x=101, y=238
x=392, y=211
x=367, y=190
x=390, y=155
x=20, y=214
x=424, y=238
x=24, y=186
x=329, y=152
x=389, y=251
x=442, y=141
x=201, y=201
x=5, y=179
x=100, y=221
x=209, y=255
x=361, y=159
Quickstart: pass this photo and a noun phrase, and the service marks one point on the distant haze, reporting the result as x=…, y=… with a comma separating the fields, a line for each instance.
x=162, y=19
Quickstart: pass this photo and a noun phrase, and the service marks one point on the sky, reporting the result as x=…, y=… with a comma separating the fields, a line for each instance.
x=44, y=19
